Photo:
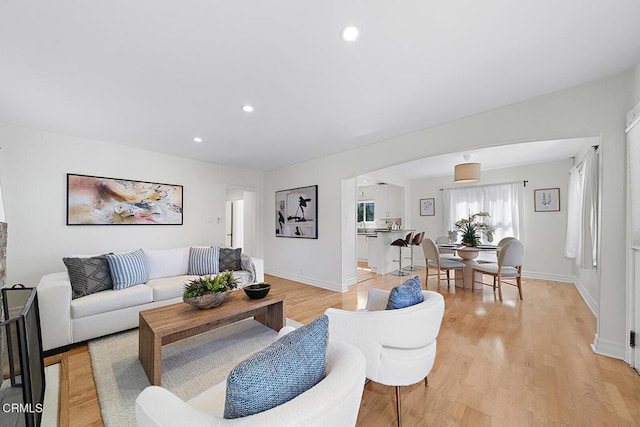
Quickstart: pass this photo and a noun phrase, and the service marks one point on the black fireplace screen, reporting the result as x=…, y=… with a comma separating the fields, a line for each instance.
x=22, y=394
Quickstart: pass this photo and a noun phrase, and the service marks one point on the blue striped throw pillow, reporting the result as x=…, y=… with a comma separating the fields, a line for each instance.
x=204, y=261
x=127, y=269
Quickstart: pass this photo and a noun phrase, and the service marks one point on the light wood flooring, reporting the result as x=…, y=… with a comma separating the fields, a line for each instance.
x=517, y=363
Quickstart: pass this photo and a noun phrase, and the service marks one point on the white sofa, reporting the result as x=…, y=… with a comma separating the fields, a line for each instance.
x=66, y=321
x=334, y=401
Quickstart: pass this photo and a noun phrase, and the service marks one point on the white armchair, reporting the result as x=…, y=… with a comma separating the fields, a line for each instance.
x=334, y=401
x=399, y=345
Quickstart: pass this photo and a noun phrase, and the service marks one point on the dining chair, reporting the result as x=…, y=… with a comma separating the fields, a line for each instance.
x=401, y=243
x=502, y=242
x=433, y=259
x=451, y=253
x=490, y=259
x=509, y=266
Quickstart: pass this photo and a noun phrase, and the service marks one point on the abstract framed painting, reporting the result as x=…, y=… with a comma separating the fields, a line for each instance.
x=96, y=200
x=297, y=212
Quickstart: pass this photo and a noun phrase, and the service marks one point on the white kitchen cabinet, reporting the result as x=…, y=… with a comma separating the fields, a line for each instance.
x=374, y=257
x=388, y=199
x=395, y=202
x=362, y=248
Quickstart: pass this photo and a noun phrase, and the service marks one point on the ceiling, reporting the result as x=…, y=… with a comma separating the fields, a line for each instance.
x=490, y=158
x=156, y=74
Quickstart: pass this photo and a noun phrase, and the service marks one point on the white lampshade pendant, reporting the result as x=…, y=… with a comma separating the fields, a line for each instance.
x=466, y=172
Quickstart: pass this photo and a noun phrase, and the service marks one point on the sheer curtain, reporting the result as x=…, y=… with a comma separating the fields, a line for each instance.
x=582, y=212
x=574, y=212
x=504, y=202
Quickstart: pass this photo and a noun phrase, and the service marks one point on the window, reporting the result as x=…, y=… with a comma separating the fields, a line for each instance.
x=366, y=211
x=504, y=202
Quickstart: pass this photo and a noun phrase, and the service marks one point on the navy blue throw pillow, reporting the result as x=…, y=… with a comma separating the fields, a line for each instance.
x=406, y=295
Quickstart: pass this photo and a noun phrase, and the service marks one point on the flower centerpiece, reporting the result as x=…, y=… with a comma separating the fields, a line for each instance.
x=473, y=226
x=208, y=292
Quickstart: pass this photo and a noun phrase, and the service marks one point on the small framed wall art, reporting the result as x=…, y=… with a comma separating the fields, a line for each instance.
x=96, y=200
x=297, y=212
x=427, y=207
x=547, y=200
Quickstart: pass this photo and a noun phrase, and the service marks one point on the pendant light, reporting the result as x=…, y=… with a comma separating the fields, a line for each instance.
x=466, y=172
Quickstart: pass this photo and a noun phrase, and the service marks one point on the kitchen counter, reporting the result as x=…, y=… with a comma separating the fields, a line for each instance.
x=373, y=232
x=381, y=254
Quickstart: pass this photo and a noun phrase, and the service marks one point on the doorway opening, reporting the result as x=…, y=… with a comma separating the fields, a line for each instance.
x=241, y=219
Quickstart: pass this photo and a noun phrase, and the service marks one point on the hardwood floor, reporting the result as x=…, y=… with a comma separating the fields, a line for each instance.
x=524, y=363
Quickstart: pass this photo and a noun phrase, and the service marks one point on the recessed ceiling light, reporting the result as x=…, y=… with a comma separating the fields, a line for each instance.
x=197, y=139
x=247, y=108
x=349, y=34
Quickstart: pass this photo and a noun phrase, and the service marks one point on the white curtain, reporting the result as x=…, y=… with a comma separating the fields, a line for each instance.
x=504, y=202
x=574, y=212
x=582, y=212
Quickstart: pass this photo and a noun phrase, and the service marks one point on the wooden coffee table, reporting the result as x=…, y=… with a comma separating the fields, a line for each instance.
x=170, y=323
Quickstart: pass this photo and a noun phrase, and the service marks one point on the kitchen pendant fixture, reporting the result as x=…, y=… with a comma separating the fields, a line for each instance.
x=466, y=172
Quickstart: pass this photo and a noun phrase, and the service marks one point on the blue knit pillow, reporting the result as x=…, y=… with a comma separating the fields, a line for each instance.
x=204, y=261
x=127, y=269
x=280, y=372
x=406, y=295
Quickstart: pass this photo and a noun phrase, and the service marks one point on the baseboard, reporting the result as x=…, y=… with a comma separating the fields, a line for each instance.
x=608, y=348
x=549, y=276
x=586, y=297
x=314, y=282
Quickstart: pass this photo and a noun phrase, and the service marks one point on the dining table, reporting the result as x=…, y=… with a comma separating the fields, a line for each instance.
x=468, y=278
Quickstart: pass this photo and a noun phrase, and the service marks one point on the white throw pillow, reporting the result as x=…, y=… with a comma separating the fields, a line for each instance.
x=167, y=262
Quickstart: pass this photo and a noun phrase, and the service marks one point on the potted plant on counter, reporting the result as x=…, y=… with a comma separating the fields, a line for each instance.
x=208, y=292
x=472, y=227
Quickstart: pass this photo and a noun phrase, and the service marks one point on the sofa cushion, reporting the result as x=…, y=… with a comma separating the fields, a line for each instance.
x=244, y=278
x=128, y=269
x=167, y=262
x=110, y=300
x=230, y=259
x=406, y=295
x=248, y=265
x=280, y=372
x=204, y=260
x=169, y=287
x=88, y=275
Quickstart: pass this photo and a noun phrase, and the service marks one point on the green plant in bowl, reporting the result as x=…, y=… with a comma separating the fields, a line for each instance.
x=209, y=292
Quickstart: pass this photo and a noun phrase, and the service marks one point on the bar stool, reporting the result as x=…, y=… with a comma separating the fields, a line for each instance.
x=401, y=243
x=417, y=241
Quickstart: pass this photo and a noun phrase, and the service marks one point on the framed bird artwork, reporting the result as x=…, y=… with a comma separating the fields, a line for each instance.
x=297, y=212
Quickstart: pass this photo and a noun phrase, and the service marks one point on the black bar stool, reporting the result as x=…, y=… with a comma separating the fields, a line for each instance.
x=417, y=241
x=401, y=243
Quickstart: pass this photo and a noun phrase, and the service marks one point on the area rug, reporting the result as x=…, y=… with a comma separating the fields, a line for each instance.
x=189, y=366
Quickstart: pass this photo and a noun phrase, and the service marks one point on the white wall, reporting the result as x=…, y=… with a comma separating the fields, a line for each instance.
x=251, y=226
x=635, y=86
x=594, y=109
x=544, y=232
x=33, y=168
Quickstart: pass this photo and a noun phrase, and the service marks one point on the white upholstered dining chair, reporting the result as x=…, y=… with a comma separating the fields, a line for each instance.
x=446, y=252
x=398, y=345
x=509, y=266
x=440, y=263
